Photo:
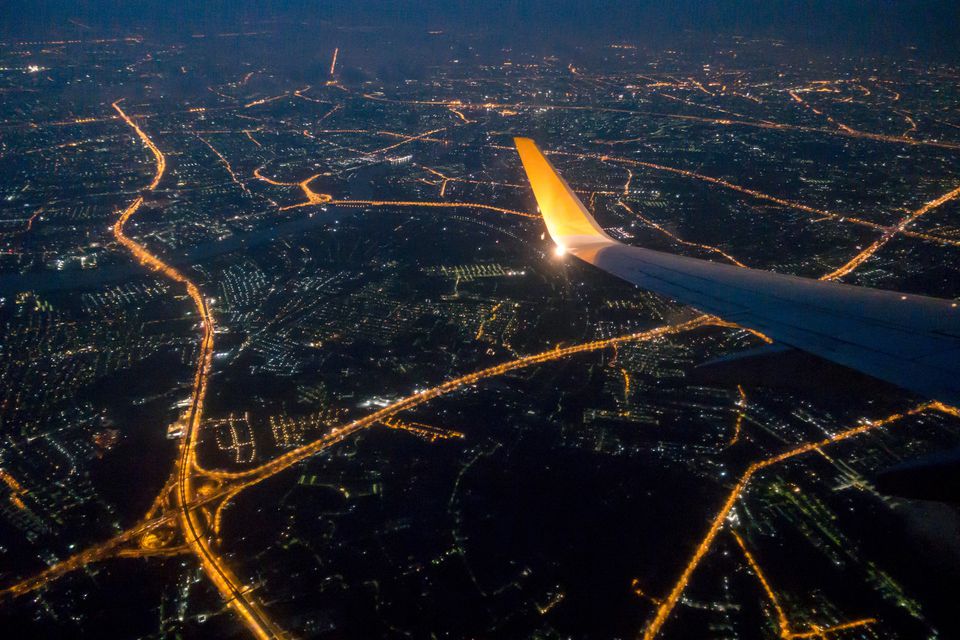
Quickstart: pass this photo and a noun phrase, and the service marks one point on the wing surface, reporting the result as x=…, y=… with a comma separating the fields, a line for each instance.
x=911, y=341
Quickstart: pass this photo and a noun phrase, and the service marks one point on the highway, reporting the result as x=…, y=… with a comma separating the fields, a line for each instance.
x=188, y=513
x=191, y=526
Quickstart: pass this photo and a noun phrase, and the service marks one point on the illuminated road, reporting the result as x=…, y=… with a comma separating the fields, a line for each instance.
x=664, y=610
x=842, y=127
x=16, y=490
x=408, y=139
x=191, y=526
x=226, y=163
x=753, y=193
x=761, y=124
x=706, y=247
x=890, y=234
x=314, y=198
x=907, y=340
x=294, y=456
x=416, y=203
x=443, y=180
x=786, y=631
x=425, y=431
x=738, y=424
x=257, y=103
x=184, y=506
x=234, y=482
x=333, y=63
x=483, y=323
x=90, y=555
x=842, y=218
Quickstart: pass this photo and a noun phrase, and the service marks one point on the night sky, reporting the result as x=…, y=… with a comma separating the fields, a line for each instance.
x=847, y=26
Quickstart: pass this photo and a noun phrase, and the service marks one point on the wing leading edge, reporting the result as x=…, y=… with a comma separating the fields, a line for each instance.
x=908, y=340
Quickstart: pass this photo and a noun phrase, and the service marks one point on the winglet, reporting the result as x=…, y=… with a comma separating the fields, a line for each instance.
x=570, y=224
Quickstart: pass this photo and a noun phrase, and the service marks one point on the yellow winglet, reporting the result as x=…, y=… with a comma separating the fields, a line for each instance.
x=570, y=224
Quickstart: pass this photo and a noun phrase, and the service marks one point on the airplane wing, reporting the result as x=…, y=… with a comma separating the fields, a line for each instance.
x=908, y=340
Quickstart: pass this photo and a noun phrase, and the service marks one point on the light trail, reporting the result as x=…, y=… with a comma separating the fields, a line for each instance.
x=299, y=93
x=638, y=591
x=731, y=186
x=822, y=632
x=312, y=196
x=157, y=521
x=65, y=145
x=706, y=106
x=57, y=43
x=160, y=552
x=786, y=632
x=720, y=322
x=895, y=95
x=675, y=238
x=425, y=137
x=665, y=609
x=327, y=199
x=912, y=128
x=889, y=234
x=491, y=183
x=696, y=83
x=258, y=174
x=845, y=132
x=444, y=180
